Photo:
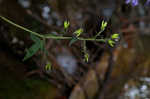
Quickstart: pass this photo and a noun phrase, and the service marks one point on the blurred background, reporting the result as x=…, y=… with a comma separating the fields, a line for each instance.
x=121, y=72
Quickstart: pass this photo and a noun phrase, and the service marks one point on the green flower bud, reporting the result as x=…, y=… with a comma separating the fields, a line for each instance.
x=104, y=24
x=111, y=43
x=66, y=24
x=115, y=36
x=86, y=57
x=78, y=32
x=48, y=66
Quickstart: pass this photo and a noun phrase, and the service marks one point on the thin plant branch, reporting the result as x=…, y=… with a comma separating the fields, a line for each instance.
x=50, y=36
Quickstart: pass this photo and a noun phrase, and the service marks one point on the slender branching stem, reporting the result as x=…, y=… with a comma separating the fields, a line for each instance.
x=51, y=36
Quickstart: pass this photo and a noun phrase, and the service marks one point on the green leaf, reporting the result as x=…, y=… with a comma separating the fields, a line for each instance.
x=32, y=50
x=78, y=32
x=66, y=24
x=48, y=66
x=34, y=38
x=73, y=40
x=111, y=43
x=42, y=47
x=115, y=36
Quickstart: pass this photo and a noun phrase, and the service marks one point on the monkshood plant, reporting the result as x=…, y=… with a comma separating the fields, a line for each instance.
x=39, y=39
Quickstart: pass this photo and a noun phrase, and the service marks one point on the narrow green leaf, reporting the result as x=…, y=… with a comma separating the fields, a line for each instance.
x=31, y=51
x=73, y=40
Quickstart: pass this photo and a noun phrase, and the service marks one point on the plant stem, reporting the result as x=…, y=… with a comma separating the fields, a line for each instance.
x=21, y=27
x=99, y=33
x=50, y=36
